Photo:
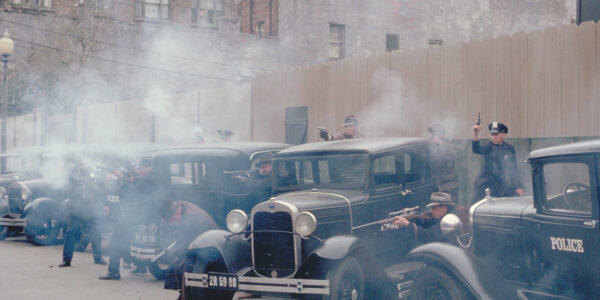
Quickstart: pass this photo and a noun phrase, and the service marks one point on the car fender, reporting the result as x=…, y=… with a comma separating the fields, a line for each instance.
x=218, y=244
x=43, y=203
x=481, y=280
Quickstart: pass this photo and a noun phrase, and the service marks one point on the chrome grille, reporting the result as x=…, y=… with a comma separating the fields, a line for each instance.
x=15, y=202
x=273, y=251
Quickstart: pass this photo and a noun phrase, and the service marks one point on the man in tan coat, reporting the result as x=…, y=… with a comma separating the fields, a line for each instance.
x=351, y=130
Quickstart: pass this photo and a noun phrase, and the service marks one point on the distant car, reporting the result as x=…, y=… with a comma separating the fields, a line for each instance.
x=35, y=205
x=319, y=236
x=213, y=176
x=540, y=247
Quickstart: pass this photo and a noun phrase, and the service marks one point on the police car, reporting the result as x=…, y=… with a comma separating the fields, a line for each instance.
x=543, y=246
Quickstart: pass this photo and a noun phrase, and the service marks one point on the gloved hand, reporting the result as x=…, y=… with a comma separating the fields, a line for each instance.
x=324, y=134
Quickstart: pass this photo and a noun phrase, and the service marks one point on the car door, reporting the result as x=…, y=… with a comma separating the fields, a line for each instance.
x=564, y=234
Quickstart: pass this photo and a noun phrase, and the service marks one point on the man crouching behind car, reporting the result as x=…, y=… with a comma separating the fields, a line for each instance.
x=189, y=221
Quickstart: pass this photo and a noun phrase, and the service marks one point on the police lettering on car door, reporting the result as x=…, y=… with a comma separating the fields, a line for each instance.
x=566, y=244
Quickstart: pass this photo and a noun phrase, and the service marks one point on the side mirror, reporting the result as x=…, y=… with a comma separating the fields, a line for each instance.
x=450, y=224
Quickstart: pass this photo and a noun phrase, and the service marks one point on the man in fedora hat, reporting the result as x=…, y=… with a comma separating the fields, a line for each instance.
x=258, y=180
x=441, y=154
x=224, y=135
x=499, y=171
x=351, y=130
x=426, y=227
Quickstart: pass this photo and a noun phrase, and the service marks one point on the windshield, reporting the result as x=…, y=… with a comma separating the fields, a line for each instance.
x=341, y=171
x=22, y=163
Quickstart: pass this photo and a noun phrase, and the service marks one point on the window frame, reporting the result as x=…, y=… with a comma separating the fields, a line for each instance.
x=341, y=43
x=140, y=10
x=28, y=4
x=387, y=39
x=540, y=185
x=205, y=15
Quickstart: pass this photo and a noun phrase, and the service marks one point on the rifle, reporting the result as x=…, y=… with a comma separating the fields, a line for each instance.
x=387, y=222
x=110, y=170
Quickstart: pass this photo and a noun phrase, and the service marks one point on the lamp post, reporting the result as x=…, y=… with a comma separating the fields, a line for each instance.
x=6, y=49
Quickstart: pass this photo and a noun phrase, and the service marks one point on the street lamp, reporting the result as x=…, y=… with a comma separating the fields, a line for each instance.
x=6, y=49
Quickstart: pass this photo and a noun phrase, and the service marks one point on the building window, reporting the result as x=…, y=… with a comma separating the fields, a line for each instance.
x=152, y=9
x=34, y=3
x=99, y=6
x=336, y=41
x=391, y=42
x=206, y=11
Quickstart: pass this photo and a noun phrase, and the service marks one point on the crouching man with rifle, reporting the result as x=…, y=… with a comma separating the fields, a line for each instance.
x=426, y=226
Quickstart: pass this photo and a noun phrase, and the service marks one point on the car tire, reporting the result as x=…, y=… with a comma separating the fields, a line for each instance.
x=158, y=268
x=42, y=229
x=191, y=293
x=433, y=283
x=346, y=281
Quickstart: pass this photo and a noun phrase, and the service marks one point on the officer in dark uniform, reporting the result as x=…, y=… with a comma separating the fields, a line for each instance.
x=499, y=172
x=139, y=206
x=441, y=153
x=83, y=209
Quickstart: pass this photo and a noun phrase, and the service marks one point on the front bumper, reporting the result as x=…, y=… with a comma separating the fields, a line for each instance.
x=267, y=285
x=18, y=222
x=142, y=253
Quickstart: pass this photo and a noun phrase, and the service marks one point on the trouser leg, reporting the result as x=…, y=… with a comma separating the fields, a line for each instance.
x=73, y=230
x=95, y=239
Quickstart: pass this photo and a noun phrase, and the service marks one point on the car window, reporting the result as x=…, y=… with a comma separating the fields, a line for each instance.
x=188, y=173
x=411, y=167
x=567, y=187
x=384, y=171
x=338, y=171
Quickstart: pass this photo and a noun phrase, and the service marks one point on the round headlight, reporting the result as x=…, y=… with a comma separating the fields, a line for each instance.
x=450, y=223
x=236, y=221
x=25, y=192
x=306, y=223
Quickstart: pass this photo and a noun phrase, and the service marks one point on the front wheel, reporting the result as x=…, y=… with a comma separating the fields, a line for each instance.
x=432, y=283
x=346, y=281
x=159, y=268
x=42, y=229
x=203, y=267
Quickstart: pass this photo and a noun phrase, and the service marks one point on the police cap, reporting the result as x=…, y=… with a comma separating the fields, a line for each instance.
x=496, y=127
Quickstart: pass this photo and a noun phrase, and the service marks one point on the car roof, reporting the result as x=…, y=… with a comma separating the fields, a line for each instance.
x=592, y=146
x=227, y=149
x=364, y=145
x=120, y=149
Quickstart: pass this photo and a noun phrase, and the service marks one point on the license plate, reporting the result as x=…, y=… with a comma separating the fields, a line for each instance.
x=223, y=281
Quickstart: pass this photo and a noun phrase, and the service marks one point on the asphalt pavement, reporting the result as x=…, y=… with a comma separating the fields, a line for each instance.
x=31, y=272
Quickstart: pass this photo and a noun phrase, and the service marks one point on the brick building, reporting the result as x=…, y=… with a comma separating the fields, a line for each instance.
x=75, y=52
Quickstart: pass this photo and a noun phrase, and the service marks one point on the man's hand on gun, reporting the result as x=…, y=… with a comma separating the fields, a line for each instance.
x=323, y=133
x=400, y=221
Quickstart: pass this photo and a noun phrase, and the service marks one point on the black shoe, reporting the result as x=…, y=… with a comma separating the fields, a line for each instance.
x=111, y=276
x=99, y=261
x=138, y=271
x=65, y=264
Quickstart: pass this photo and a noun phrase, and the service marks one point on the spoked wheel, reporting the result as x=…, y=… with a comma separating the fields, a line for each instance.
x=434, y=284
x=159, y=268
x=346, y=281
x=42, y=230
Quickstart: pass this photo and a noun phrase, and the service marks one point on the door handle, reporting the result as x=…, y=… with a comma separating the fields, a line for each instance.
x=591, y=223
x=406, y=192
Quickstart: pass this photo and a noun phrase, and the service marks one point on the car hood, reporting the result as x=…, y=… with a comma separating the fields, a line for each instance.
x=508, y=207
x=319, y=199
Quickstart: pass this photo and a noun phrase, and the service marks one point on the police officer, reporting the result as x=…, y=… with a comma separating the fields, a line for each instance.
x=441, y=153
x=139, y=207
x=83, y=209
x=499, y=172
x=426, y=227
x=351, y=130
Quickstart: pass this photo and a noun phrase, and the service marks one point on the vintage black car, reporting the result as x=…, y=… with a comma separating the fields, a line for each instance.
x=213, y=176
x=540, y=247
x=35, y=206
x=319, y=235
x=19, y=164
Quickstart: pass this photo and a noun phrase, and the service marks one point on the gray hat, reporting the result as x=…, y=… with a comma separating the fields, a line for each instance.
x=439, y=198
x=263, y=159
x=350, y=120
